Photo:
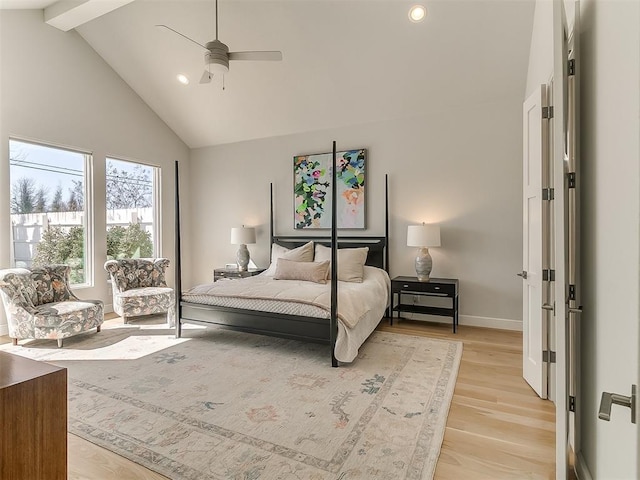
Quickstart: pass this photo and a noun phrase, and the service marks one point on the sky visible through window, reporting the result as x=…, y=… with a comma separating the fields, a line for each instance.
x=52, y=168
x=47, y=166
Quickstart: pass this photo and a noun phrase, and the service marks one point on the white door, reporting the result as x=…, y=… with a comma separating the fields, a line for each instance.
x=533, y=328
x=610, y=235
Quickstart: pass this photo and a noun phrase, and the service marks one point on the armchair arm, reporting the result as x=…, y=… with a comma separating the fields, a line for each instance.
x=15, y=294
x=118, y=280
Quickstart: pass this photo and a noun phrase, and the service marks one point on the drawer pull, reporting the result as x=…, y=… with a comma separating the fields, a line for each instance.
x=405, y=286
x=436, y=288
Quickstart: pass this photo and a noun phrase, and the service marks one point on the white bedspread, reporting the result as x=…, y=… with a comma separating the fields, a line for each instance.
x=360, y=305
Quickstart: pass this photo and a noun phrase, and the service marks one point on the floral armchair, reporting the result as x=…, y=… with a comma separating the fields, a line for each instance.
x=139, y=288
x=39, y=304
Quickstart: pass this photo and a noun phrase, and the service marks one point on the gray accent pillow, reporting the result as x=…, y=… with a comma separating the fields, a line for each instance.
x=307, y=271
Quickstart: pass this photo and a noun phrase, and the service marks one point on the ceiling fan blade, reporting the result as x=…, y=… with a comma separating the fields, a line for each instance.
x=182, y=35
x=206, y=77
x=273, y=56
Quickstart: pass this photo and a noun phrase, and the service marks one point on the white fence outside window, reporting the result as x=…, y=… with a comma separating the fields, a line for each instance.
x=27, y=229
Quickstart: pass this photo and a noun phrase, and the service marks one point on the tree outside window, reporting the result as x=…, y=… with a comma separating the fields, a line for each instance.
x=130, y=209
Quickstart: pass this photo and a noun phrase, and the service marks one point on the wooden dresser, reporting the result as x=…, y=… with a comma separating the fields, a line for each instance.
x=33, y=419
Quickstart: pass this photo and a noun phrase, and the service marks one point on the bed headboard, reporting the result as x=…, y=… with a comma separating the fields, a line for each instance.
x=375, y=258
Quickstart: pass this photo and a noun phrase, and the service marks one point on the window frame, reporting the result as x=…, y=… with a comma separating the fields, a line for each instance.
x=87, y=212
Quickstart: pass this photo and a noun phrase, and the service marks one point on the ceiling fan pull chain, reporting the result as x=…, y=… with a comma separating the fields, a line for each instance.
x=223, y=82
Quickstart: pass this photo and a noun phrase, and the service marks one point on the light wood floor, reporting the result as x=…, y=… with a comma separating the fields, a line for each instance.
x=497, y=427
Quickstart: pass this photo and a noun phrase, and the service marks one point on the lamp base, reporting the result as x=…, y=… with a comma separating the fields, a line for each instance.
x=424, y=263
x=242, y=257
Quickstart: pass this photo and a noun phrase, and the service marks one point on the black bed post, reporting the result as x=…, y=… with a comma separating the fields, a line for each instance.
x=334, y=264
x=386, y=235
x=178, y=269
x=270, y=219
x=386, y=222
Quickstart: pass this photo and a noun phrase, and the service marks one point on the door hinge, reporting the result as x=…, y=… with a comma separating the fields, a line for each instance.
x=572, y=292
x=572, y=403
x=571, y=177
x=548, y=356
x=549, y=275
x=571, y=67
x=547, y=194
x=547, y=112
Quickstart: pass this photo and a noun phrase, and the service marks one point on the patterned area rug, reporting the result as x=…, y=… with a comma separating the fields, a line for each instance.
x=227, y=405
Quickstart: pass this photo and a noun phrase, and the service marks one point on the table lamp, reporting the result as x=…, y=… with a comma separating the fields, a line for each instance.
x=423, y=236
x=242, y=236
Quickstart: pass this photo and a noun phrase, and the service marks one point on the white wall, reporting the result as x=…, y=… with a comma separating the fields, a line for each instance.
x=541, y=52
x=55, y=89
x=610, y=146
x=460, y=168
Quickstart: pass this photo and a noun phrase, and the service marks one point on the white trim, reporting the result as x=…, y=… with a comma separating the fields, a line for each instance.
x=472, y=321
x=489, y=322
x=582, y=471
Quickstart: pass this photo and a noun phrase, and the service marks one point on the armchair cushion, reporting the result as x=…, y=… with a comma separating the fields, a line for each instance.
x=51, y=283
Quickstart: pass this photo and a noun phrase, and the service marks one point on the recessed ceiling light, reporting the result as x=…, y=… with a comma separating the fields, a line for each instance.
x=182, y=79
x=417, y=13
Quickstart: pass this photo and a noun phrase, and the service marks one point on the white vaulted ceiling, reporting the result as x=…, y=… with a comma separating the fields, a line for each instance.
x=345, y=62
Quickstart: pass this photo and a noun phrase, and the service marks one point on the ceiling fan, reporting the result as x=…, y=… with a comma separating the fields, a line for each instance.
x=216, y=60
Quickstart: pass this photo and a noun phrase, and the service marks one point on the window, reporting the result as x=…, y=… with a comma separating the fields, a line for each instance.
x=132, y=226
x=49, y=208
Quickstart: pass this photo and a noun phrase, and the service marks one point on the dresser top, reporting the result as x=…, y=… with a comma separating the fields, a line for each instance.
x=15, y=369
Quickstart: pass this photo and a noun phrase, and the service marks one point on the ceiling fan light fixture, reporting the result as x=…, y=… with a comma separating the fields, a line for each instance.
x=183, y=79
x=217, y=57
x=417, y=13
x=215, y=66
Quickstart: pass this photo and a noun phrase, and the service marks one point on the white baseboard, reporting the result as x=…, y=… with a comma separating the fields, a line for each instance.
x=472, y=321
x=489, y=322
x=108, y=308
x=582, y=471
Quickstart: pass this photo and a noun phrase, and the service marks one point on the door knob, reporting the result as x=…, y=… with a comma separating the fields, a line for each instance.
x=608, y=399
x=547, y=306
x=522, y=274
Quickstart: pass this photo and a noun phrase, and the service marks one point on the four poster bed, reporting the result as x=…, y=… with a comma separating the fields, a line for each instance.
x=292, y=307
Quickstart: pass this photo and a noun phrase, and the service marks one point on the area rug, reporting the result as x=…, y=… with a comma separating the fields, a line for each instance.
x=219, y=404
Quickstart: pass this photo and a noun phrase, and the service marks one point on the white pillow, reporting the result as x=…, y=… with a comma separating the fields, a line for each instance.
x=350, y=262
x=303, y=253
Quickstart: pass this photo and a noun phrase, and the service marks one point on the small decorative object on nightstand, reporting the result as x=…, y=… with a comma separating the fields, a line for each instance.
x=242, y=236
x=436, y=287
x=220, y=273
x=423, y=236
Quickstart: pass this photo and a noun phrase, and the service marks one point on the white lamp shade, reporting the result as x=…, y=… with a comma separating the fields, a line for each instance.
x=243, y=235
x=423, y=235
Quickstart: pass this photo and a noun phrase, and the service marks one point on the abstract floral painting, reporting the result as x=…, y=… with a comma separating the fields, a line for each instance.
x=312, y=176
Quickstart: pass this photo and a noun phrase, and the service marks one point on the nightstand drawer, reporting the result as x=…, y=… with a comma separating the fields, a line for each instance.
x=448, y=289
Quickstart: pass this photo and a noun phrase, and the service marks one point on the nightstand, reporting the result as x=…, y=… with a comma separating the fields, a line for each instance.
x=435, y=287
x=219, y=273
